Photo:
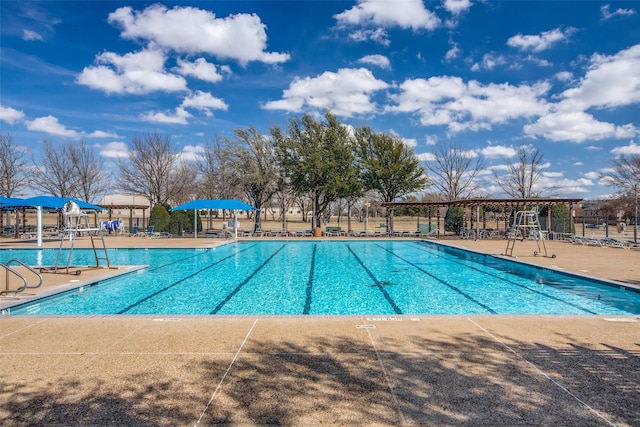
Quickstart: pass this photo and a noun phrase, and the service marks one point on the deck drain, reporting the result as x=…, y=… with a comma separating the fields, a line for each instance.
x=620, y=319
x=168, y=319
x=365, y=326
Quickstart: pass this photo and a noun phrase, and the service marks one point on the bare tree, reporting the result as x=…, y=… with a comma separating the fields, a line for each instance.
x=147, y=170
x=215, y=171
x=13, y=172
x=55, y=173
x=522, y=175
x=93, y=181
x=625, y=173
x=252, y=159
x=454, y=171
x=182, y=183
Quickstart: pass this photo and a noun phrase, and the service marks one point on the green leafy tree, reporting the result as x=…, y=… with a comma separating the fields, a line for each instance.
x=561, y=219
x=182, y=221
x=159, y=218
x=316, y=158
x=454, y=219
x=388, y=166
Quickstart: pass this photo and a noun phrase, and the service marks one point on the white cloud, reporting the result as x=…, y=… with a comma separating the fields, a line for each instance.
x=605, y=12
x=410, y=142
x=344, y=93
x=179, y=117
x=446, y=100
x=378, y=35
x=135, y=73
x=190, y=30
x=632, y=149
x=50, y=125
x=31, y=35
x=558, y=184
x=200, y=69
x=543, y=41
x=10, y=115
x=115, y=150
x=192, y=153
x=377, y=60
x=564, y=76
x=456, y=7
x=611, y=81
x=383, y=13
x=426, y=157
x=576, y=126
x=453, y=53
x=431, y=139
x=495, y=151
x=489, y=62
x=204, y=102
x=592, y=175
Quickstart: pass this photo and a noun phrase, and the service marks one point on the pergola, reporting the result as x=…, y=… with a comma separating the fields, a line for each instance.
x=475, y=205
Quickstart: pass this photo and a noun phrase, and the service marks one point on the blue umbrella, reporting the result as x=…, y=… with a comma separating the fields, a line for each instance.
x=229, y=204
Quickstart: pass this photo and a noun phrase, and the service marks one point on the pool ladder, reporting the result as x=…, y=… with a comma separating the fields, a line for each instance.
x=10, y=272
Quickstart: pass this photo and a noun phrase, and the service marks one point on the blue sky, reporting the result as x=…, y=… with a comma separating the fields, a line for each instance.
x=563, y=77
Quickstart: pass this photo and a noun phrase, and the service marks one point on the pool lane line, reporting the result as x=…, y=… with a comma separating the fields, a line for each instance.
x=244, y=282
x=307, y=303
x=450, y=286
x=166, y=288
x=520, y=285
x=376, y=282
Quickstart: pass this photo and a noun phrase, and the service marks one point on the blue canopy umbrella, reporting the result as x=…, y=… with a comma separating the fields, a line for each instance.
x=228, y=204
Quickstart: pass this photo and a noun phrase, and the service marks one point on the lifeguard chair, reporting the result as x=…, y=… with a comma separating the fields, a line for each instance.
x=77, y=223
x=526, y=226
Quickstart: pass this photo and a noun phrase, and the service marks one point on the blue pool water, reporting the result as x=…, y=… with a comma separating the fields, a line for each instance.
x=326, y=277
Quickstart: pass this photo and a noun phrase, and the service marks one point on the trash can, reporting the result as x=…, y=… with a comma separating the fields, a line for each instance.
x=317, y=232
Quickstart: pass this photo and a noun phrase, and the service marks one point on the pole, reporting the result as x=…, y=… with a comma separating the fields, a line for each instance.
x=366, y=217
x=635, y=222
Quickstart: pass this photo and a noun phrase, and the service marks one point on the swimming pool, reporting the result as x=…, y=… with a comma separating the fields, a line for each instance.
x=351, y=277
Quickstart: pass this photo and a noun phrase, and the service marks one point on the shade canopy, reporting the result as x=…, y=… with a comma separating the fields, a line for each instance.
x=10, y=201
x=48, y=202
x=229, y=204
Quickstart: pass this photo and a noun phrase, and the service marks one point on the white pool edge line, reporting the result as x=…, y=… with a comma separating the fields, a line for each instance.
x=503, y=257
x=27, y=299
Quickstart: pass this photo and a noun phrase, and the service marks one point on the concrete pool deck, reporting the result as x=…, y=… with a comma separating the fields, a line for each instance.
x=350, y=370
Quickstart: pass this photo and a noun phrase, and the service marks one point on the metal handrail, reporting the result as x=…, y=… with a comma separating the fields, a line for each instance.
x=11, y=270
x=15, y=260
